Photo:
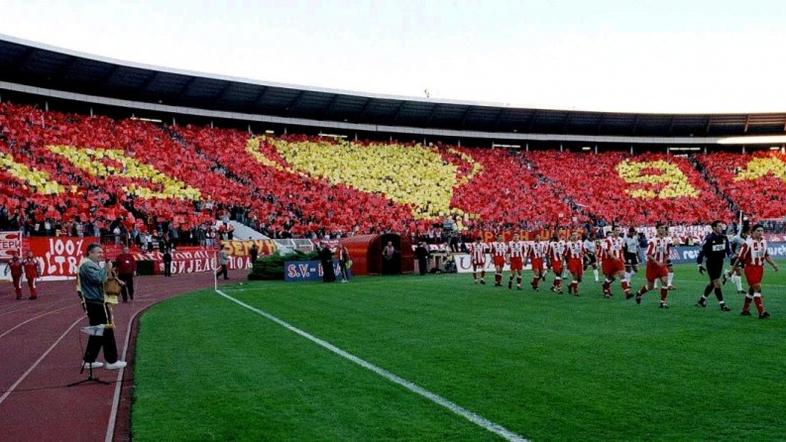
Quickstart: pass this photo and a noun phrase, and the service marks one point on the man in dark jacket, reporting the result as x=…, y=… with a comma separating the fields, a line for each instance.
x=167, y=262
x=421, y=253
x=326, y=258
x=715, y=249
x=253, y=252
x=90, y=286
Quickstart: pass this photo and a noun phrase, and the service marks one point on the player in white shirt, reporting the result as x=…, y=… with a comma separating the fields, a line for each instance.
x=590, y=257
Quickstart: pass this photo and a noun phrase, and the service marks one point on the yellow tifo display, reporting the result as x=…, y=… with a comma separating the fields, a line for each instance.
x=90, y=160
x=763, y=166
x=36, y=179
x=414, y=175
x=675, y=183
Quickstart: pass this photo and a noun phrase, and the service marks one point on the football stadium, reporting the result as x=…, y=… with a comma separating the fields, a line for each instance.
x=197, y=256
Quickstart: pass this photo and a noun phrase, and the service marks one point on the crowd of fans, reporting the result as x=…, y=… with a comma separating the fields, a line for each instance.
x=640, y=190
x=756, y=183
x=132, y=181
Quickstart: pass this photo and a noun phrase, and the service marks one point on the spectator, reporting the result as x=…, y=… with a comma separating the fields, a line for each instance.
x=167, y=262
x=125, y=263
x=326, y=259
x=422, y=254
x=223, y=261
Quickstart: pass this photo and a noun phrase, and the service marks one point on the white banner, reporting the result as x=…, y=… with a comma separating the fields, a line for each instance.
x=464, y=264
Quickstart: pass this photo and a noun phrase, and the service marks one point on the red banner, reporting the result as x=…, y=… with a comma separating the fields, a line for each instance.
x=58, y=256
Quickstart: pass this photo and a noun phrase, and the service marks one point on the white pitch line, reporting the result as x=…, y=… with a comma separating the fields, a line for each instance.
x=33, y=319
x=110, y=428
x=439, y=400
x=35, y=364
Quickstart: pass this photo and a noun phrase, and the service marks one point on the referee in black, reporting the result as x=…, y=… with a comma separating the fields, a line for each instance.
x=715, y=249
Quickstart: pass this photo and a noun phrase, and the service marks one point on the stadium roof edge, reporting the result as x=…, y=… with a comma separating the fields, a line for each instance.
x=53, y=71
x=164, y=108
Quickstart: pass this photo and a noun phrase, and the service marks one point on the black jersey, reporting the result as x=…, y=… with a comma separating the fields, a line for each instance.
x=716, y=248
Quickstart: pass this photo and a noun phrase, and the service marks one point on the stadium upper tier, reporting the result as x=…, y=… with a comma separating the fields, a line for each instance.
x=60, y=167
x=54, y=73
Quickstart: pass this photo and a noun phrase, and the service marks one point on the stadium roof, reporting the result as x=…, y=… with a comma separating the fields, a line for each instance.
x=44, y=70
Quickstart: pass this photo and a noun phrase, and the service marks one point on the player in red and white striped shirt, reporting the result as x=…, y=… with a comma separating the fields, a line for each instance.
x=658, y=250
x=613, y=265
x=557, y=256
x=499, y=251
x=517, y=251
x=477, y=253
x=538, y=252
x=752, y=255
x=574, y=253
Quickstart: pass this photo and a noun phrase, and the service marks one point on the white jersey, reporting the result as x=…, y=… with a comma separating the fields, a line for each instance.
x=478, y=252
x=658, y=249
x=631, y=244
x=517, y=249
x=589, y=246
x=753, y=253
x=499, y=248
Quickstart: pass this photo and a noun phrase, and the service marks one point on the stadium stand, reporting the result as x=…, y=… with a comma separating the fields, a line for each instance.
x=756, y=183
x=70, y=173
x=638, y=190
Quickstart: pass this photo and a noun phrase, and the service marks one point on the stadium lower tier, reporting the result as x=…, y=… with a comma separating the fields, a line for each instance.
x=58, y=168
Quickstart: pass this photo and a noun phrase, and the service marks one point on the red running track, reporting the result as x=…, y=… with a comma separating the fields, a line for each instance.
x=40, y=354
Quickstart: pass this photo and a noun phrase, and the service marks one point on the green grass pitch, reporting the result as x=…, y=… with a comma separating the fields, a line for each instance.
x=545, y=366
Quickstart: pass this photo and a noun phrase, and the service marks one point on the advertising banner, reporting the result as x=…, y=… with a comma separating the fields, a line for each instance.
x=308, y=270
x=464, y=264
x=9, y=241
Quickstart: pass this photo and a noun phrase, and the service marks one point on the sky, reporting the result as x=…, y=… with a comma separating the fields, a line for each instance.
x=628, y=56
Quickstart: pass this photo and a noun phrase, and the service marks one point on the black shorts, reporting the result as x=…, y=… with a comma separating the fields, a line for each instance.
x=631, y=259
x=714, y=270
x=590, y=259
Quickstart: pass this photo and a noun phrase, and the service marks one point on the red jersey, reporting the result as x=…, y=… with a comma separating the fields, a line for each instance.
x=557, y=250
x=499, y=249
x=125, y=264
x=612, y=248
x=753, y=252
x=575, y=250
x=658, y=249
x=31, y=268
x=477, y=251
x=517, y=249
x=15, y=265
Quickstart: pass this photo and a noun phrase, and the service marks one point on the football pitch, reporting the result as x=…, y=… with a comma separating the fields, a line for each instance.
x=541, y=365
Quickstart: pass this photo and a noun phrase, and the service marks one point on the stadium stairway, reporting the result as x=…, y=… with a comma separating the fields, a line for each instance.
x=242, y=231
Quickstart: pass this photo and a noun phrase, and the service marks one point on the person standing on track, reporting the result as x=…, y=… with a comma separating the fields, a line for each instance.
x=32, y=272
x=126, y=266
x=91, y=279
x=16, y=267
x=715, y=249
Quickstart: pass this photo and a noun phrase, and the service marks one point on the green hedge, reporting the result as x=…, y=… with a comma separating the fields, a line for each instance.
x=271, y=267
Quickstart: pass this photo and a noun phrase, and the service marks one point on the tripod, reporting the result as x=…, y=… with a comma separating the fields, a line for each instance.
x=93, y=330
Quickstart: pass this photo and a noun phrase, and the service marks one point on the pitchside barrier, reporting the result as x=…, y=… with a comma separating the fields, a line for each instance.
x=59, y=257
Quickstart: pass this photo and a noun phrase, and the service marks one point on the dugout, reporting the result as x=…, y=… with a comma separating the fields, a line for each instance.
x=366, y=254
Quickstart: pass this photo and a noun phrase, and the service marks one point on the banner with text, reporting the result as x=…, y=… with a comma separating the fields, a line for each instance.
x=307, y=270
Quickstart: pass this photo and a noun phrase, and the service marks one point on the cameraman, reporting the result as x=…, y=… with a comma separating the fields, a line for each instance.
x=91, y=289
